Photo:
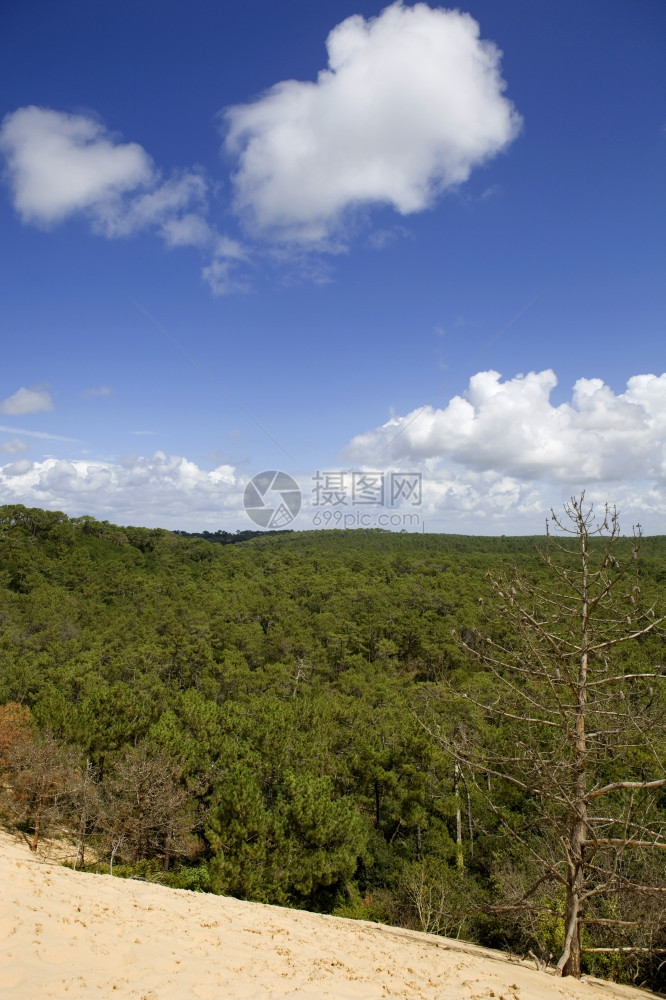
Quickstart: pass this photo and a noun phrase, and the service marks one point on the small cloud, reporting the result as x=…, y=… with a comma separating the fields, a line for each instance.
x=165, y=209
x=35, y=400
x=60, y=163
x=230, y=249
x=189, y=230
x=300, y=264
x=383, y=237
x=14, y=447
x=141, y=433
x=219, y=273
x=20, y=468
x=39, y=434
x=457, y=323
x=490, y=192
x=104, y=390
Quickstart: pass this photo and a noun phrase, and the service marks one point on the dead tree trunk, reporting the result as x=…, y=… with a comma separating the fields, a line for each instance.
x=570, y=960
x=569, y=706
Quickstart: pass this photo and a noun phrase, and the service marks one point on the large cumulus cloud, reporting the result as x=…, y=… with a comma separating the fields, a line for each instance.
x=411, y=101
x=511, y=427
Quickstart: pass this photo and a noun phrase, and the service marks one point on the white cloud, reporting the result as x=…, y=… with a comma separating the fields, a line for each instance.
x=165, y=208
x=411, y=101
x=16, y=469
x=60, y=164
x=220, y=273
x=168, y=491
x=14, y=447
x=457, y=499
x=174, y=492
x=381, y=238
x=492, y=503
x=189, y=230
x=35, y=400
x=512, y=428
x=38, y=434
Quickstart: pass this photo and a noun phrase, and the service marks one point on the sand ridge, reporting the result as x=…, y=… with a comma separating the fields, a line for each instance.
x=71, y=934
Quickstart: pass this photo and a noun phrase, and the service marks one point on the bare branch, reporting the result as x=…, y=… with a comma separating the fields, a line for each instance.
x=622, y=842
x=626, y=638
x=622, y=678
x=618, y=785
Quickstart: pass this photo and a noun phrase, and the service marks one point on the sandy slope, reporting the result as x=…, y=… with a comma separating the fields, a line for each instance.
x=67, y=934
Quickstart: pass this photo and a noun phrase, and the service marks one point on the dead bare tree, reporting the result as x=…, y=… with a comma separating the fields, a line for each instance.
x=144, y=808
x=86, y=814
x=576, y=730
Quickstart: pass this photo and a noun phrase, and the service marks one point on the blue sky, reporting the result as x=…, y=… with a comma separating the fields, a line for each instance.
x=334, y=208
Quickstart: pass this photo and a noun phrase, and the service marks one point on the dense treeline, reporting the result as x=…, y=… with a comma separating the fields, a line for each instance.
x=249, y=718
x=230, y=537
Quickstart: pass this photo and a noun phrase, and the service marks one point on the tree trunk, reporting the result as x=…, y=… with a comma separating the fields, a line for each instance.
x=569, y=963
x=456, y=792
x=35, y=836
x=570, y=960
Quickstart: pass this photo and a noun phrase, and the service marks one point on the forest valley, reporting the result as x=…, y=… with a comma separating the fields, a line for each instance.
x=462, y=735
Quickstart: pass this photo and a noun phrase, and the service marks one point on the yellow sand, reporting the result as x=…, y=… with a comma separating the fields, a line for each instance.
x=69, y=934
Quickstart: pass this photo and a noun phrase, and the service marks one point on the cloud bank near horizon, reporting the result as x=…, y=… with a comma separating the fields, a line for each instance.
x=157, y=490
x=172, y=491
x=494, y=460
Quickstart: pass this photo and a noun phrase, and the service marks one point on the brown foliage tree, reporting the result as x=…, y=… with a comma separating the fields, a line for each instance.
x=43, y=776
x=15, y=729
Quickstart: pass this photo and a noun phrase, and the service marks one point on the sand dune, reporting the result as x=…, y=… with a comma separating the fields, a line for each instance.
x=68, y=934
